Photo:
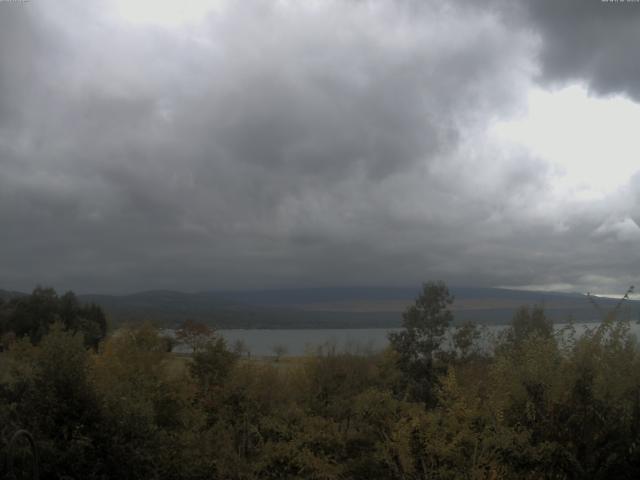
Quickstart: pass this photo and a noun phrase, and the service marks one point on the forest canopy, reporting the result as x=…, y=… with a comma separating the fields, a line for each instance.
x=33, y=315
x=540, y=403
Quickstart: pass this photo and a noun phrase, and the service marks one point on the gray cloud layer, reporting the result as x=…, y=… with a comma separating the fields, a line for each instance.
x=594, y=41
x=314, y=143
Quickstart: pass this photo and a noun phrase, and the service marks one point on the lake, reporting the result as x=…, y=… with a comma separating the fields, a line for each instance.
x=261, y=342
x=300, y=342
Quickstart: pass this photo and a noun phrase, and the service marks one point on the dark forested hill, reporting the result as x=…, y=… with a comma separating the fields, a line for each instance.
x=349, y=307
x=352, y=307
x=7, y=294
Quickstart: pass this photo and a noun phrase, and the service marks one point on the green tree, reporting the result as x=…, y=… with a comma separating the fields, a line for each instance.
x=59, y=405
x=32, y=316
x=424, y=327
x=146, y=406
x=88, y=319
x=212, y=364
x=465, y=339
x=528, y=321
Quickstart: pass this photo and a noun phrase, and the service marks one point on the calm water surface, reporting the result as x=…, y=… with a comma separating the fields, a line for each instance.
x=361, y=340
x=300, y=342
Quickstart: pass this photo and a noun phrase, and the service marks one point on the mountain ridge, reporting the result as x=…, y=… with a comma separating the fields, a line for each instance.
x=333, y=307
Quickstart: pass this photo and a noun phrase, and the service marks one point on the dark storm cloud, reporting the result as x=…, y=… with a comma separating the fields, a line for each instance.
x=594, y=41
x=275, y=144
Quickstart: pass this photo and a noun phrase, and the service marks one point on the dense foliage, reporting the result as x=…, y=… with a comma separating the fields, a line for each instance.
x=33, y=315
x=537, y=404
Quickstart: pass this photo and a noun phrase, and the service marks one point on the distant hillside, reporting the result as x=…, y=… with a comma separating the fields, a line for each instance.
x=353, y=307
x=7, y=294
x=349, y=307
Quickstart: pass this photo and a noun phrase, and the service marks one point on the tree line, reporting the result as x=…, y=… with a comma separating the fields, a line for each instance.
x=538, y=404
x=31, y=316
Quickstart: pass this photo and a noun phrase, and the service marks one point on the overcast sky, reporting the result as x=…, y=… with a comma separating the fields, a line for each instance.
x=271, y=143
